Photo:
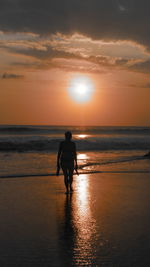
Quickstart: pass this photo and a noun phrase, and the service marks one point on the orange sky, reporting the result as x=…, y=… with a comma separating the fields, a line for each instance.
x=38, y=63
x=42, y=97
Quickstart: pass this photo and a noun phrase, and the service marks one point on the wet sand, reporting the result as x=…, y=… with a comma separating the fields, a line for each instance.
x=105, y=222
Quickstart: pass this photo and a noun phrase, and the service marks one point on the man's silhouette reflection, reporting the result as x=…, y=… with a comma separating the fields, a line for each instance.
x=68, y=233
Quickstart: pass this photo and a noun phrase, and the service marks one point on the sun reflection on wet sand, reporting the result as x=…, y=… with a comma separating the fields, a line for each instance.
x=79, y=224
x=82, y=197
x=84, y=223
x=82, y=160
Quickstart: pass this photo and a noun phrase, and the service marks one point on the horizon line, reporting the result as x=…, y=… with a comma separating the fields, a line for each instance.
x=65, y=125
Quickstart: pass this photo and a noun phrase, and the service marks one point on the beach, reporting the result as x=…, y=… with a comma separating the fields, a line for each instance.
x=105, y=222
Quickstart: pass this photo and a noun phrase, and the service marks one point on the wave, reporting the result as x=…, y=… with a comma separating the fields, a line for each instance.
x=128, y=159
x=33, y=145
x=46, y=138
x=39, y=144
x=17, y=129
x=28, y=129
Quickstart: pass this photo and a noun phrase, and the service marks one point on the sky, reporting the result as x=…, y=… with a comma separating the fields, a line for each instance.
x=47, y=47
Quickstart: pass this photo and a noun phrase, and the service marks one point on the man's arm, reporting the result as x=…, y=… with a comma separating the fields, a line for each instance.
x=75, y=159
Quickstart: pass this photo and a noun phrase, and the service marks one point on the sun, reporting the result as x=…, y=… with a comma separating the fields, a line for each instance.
x=81, y=89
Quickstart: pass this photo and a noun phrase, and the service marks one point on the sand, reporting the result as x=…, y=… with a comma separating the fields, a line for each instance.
x=105, y=222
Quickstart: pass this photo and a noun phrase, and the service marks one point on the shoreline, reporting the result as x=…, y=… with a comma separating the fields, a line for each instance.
x=83, y=173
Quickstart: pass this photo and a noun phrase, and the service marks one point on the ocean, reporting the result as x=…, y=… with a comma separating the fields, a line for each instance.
x=32, y=150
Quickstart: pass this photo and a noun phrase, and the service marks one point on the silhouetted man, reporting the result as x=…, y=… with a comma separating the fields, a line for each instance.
x=67, y=160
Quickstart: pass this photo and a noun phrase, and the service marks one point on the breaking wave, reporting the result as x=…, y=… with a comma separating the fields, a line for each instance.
x=89, y=144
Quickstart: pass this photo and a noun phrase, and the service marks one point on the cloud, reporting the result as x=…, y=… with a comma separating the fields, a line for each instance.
x=76, y=61
x=77, y=65
x=105, y=19
x=142, y=66
x=121, y=62
x=11, y=76
x=141, y=85
x=40, y=51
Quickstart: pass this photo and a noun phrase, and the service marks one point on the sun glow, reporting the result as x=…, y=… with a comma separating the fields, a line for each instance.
x=81, y=89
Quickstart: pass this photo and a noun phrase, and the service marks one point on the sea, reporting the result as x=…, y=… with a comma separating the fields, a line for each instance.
x=32, y=150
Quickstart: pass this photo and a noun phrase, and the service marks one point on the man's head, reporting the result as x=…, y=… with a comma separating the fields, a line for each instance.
x=68, y=135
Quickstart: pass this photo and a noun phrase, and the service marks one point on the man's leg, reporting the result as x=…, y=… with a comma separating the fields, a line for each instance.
x=66, y=182
x=71, y=177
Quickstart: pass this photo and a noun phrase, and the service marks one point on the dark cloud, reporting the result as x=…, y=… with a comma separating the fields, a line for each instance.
x=11, y=76
x=141, y=66
x=44, y=59
x=47, y=54
x=101, y=60
x=105, y=19
x=121, y=62
x=109, y=62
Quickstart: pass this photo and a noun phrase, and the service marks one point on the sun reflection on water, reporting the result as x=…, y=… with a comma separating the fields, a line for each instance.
x=82, y=136
x=82, y=156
